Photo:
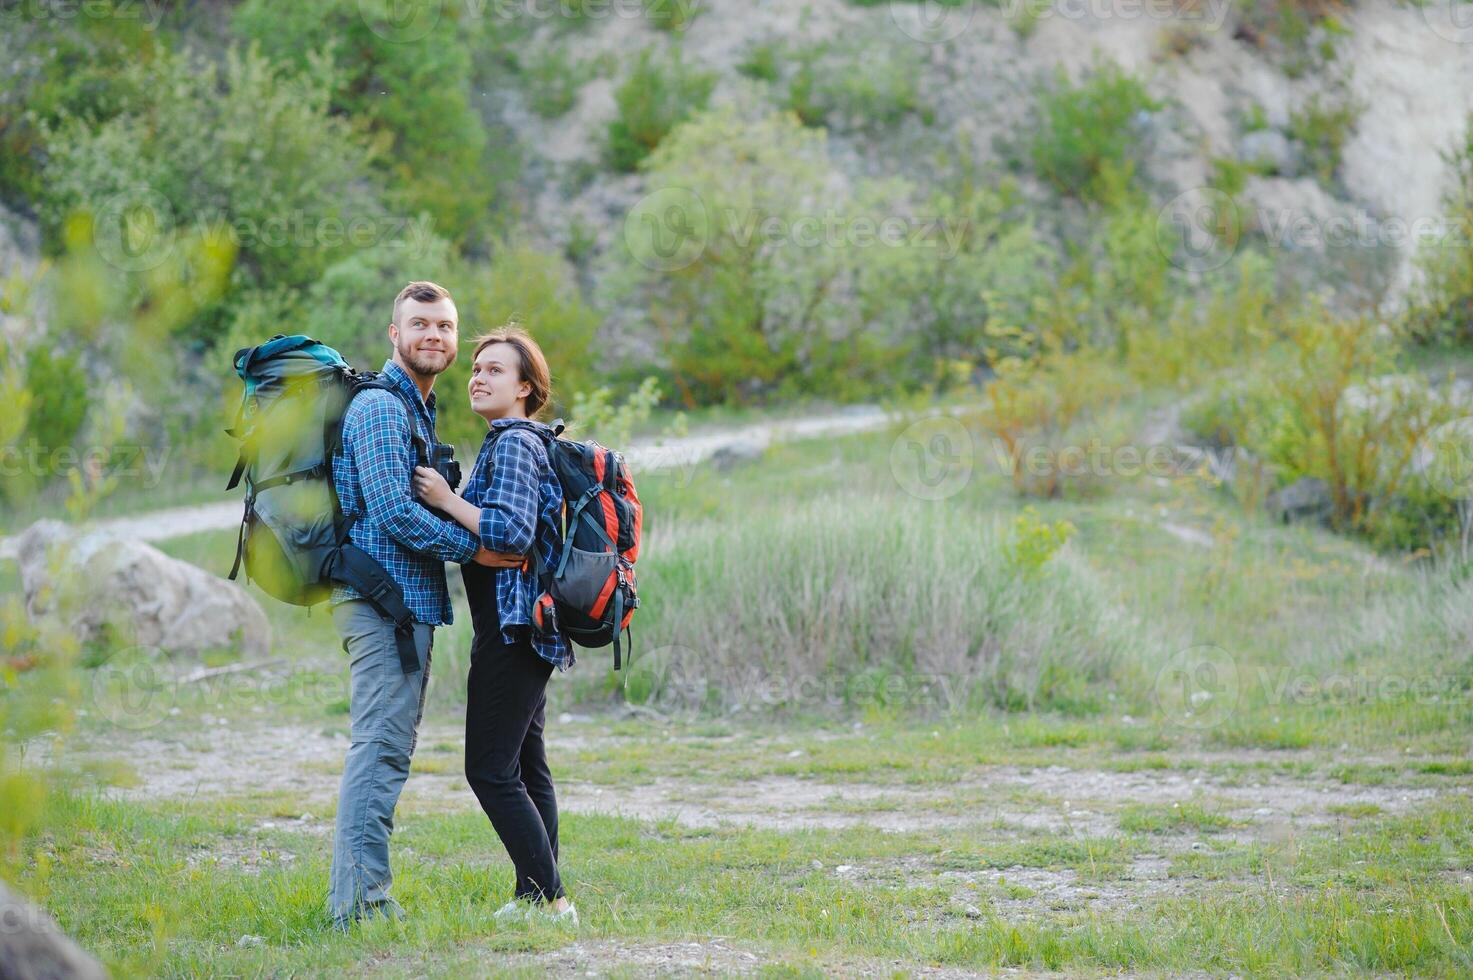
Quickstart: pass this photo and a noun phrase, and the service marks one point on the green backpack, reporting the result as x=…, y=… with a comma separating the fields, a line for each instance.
x=293, y=540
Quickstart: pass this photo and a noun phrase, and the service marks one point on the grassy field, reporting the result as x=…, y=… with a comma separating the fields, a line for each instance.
x=1191, y=741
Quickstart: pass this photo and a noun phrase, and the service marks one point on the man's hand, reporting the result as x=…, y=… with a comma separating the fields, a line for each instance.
x=498, y=559
x=431, y=487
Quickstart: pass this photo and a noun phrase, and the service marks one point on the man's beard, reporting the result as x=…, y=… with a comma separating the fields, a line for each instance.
x=422, y=363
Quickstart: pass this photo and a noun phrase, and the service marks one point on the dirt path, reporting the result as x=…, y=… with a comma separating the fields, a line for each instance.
x=298, y=767
x=1267, y=803
x=678, y=453
x=301, y=762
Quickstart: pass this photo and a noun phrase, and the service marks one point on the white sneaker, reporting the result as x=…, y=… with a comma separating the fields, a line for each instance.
x=568, y=916
x=513, y=911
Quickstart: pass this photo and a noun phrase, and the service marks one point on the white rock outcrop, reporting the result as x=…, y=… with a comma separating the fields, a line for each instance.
x=158, y=601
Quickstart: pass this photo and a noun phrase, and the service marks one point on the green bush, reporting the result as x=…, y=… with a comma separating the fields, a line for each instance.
x=1084, y=129
x=761, y=61
x=1442, y=306
x=1301, y=33
x=747, y=294
x=659, y=94
x=231, y=152
x=59, y=396
x=552, y=78
x=1322, y=126
x=410, y=80
x=671, y=15
x=852, y=85
x=57, y=69
x=1326, y=404
x=980, y=259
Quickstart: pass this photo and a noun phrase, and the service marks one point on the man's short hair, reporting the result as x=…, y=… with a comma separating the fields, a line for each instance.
x=423, y=292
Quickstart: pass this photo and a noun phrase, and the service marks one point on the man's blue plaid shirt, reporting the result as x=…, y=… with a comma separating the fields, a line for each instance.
x=520, y=499
x=372, y=475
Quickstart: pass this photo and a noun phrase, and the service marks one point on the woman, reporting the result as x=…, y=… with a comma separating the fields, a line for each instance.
x=511, y=501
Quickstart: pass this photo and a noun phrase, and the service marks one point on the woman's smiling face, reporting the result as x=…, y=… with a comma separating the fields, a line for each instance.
x=496, y=387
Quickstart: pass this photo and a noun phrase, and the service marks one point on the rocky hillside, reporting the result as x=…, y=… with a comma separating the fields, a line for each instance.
x=1394, y=80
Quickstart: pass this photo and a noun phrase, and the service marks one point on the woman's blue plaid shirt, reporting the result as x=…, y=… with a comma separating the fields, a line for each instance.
x=520, y=500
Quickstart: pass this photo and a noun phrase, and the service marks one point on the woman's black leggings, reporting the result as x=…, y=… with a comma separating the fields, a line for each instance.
x=505, y=762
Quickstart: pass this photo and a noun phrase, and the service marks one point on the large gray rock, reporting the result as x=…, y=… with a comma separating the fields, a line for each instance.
x=33, y=947
x=100, y=582
x=736, y=453
x=1306, y=499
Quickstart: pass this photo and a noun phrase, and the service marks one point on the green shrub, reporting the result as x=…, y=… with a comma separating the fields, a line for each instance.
x=1035, y=409
x=981, y=259
x=1033, y=542
x=671, y=15
x=658, y=95
x=553, y=77
x=1085, y=128
x=761, y=61
x=1322, y=126
x=1230, y=176
x=1325, y=404
x=1442, y=303
x=410, y=81
x=1233, y=321
x=59, y=396
x=57, y=68
x=1301, y=33
x=852, y=85
x=746, y=293
x=236, y=151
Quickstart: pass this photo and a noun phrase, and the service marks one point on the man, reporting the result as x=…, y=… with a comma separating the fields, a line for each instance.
x=372, y=473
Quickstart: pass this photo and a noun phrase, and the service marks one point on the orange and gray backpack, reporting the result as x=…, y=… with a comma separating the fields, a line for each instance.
x=590, y=595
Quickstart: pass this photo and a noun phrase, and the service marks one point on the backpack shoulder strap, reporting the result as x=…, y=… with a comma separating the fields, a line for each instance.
x=419, y=446
x=354, y=567
x=524, y=427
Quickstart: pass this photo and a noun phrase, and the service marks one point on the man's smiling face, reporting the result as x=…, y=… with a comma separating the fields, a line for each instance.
x=425, y=335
